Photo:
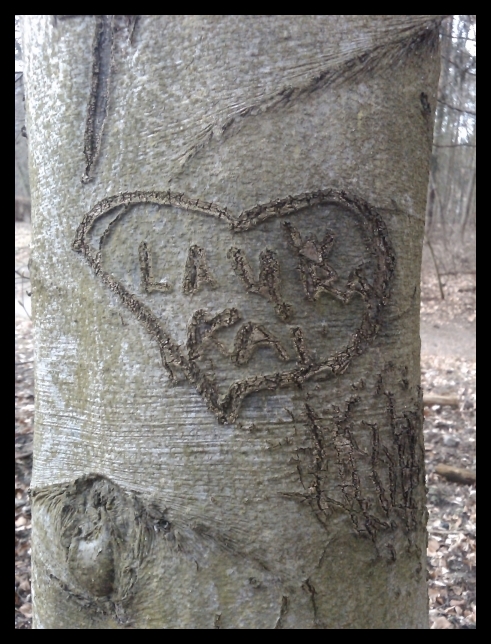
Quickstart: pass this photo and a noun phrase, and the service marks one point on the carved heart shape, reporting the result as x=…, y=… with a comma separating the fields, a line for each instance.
x=238, y=311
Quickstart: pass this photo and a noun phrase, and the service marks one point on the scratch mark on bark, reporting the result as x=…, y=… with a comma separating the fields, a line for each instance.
x=308, y=587
x=283, y=612
x=332, y=71
x=102, y=67
x=132, y=22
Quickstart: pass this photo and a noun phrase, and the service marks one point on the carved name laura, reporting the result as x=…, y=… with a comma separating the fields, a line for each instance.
x=253, y=312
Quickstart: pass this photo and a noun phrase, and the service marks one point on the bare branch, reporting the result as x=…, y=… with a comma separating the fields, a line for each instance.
x=440, y=285
x=458, y=37
x=465, y=69
x=455, y=145
x=458, y=109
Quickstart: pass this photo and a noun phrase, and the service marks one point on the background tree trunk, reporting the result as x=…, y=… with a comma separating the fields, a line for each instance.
x=228, y=215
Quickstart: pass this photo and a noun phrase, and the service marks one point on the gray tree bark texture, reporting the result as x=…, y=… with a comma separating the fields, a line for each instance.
x=228, y=215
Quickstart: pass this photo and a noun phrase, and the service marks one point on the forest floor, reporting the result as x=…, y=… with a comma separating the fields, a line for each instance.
x=448, y=361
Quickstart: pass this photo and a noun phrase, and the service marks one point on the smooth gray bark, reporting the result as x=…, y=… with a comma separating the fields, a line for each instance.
x=228, y=215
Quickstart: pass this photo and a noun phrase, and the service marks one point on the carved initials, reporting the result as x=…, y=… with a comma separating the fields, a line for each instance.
x=148, y=281
x=268, y=284
x=196, y=271
x=316, y=274
x=250, y=338
x=203, y=327
x=371, y=280
x=301, y=350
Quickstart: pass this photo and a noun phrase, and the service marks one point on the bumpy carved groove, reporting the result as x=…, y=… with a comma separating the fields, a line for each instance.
x=251, y=337
x=196, y=271
x=375, y=486
x=148, y=280
x=268, y=284
x=202, y=327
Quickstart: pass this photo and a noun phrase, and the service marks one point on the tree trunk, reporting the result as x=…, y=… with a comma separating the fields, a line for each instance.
x=228, y=216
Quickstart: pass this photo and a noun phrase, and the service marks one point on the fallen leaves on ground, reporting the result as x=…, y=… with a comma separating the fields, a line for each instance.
x=450, y=440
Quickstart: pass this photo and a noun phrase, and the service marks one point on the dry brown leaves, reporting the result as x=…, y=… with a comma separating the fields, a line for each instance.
x=24, y=417
x=450, y=439
x=24, y=420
